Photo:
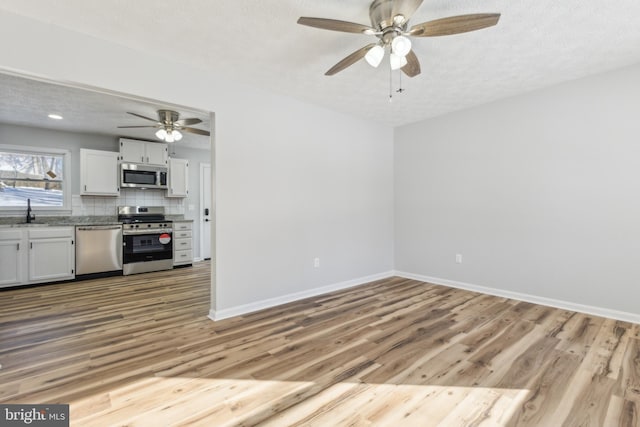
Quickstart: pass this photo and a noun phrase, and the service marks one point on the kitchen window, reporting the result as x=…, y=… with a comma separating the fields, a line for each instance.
x=38, y=174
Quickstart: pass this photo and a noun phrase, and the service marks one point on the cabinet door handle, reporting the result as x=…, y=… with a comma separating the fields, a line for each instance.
x=141, y=159
x=147, y=159
x=30, y=245
x=18, y=245
x=85, y=188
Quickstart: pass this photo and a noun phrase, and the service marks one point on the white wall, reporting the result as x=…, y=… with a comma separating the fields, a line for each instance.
x=539, y=193
x=293, y=181
x=190, y=205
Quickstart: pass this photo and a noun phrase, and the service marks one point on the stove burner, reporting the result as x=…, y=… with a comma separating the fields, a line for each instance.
x=142, y=215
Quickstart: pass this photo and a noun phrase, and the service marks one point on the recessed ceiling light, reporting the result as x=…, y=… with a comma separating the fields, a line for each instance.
x=55, y=116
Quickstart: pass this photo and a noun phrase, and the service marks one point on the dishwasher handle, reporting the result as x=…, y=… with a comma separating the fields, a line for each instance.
x=99, y=227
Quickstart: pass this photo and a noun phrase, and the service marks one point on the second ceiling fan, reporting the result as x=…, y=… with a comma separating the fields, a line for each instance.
x=169, y=125
x=390, y=24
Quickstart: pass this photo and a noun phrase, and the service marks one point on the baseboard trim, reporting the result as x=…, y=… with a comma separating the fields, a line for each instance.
x=284, y=299
x=564, y=305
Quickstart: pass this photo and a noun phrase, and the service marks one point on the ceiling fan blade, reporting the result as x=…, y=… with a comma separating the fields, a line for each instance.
x=335, y=25
x=350, y=60
x=455, y=25
x=132, y=127
x=188, y=122
x=143, y=117
x=196, y=131
x=412, y=68
x=405, y=8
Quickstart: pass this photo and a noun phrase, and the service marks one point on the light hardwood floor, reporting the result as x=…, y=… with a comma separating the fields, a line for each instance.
x=140, y=351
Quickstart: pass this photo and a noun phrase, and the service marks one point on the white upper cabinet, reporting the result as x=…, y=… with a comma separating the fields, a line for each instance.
x=99, y=173
x=152, y=153
x=178, y=178
x=157, y=153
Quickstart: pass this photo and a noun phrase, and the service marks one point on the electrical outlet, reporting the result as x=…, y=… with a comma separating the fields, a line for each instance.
x=458, y=258
x=316, y=262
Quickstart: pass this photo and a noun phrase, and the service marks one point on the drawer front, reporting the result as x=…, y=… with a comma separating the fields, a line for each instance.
x=183, y=257
x=51, y=232
x=181, y=226
x=182, y=244
x=182, y=234
x=10, y=234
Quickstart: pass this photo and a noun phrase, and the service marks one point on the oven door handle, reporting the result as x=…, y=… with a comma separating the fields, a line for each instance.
x=143, y=231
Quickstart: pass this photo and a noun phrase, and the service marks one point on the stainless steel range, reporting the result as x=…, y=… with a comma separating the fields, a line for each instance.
x=147, y=239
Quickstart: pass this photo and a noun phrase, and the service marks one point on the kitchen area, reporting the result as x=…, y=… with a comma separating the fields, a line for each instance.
x=115, y=200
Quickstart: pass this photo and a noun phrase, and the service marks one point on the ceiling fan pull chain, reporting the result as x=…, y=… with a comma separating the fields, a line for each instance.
x=400, y=90
x=390, y=85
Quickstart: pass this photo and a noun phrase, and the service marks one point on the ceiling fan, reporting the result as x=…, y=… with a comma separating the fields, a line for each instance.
x=169, y=125
x=390, y=24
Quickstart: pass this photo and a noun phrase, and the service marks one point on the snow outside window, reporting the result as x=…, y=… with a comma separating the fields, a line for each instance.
x=37, y=174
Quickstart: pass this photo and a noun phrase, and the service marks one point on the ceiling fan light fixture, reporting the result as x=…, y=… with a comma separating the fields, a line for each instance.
x=399, y=19
x=397, y=61
x=401, y=45
x=374, y=56
x=168, y=135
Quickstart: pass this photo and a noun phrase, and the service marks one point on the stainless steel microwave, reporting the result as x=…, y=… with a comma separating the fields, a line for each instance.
x=135, y=175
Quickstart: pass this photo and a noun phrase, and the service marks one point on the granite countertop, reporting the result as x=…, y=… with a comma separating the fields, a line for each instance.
x=68, y=221
x=177, y=218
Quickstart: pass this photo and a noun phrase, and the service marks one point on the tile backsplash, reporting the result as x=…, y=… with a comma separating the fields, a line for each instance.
x=96, y=205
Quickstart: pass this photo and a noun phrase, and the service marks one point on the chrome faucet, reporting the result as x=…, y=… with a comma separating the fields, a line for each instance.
x=30, y=215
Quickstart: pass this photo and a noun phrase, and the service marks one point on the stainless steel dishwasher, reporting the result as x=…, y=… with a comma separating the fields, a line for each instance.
x=98, y=249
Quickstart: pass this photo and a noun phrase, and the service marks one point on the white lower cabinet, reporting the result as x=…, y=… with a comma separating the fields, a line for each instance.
x=182, y=242
x=36, y=255
x=13, y=252
x=51, y=254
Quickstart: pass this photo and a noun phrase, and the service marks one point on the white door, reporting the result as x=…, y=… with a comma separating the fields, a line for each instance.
x=205, y=210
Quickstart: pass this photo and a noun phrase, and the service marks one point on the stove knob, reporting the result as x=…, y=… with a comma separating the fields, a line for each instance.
x=149, y=225
x=137, y=226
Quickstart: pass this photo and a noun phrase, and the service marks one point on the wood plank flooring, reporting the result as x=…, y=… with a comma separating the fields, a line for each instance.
x=140, y=351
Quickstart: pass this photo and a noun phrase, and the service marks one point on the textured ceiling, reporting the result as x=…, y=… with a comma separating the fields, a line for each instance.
x=28, y=102
x=536, y=44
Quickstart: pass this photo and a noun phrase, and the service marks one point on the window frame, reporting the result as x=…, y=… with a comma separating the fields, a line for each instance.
x=66, y=181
